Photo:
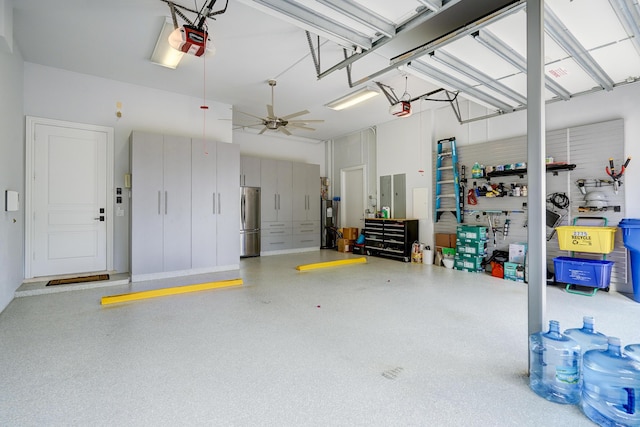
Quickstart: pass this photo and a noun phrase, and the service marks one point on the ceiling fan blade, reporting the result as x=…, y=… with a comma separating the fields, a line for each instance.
x=300, y=126
x=270, y=112
x=299, y=113
x=283, y=130
x=262, y=131
x=305, y=121
x=249, y=125
x=250, y=115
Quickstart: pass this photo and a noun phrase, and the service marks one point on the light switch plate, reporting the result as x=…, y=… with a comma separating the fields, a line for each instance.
x=11, y=201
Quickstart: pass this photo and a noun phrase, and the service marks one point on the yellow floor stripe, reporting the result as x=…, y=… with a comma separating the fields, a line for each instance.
x=114, y=299
x=335, y=263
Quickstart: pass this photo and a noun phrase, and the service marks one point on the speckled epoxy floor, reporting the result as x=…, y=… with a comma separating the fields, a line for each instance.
x=383, y=343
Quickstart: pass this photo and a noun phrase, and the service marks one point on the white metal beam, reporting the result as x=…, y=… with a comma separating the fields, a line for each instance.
x=561, y=34
x=500, y=48
x=363, y=15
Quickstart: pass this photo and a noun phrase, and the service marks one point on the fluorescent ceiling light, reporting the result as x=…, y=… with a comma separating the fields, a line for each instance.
x=163, y=54
x=353, y=98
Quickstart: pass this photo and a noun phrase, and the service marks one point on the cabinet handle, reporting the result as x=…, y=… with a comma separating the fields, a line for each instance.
x=214, y=203
x=219, y=207
x=159, y=197
x=275, y=202
x=166, y=201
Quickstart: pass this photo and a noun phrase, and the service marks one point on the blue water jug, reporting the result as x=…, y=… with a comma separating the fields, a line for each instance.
x=633, y=351
x=611, y=383
x=587, y=337
x=554, y=369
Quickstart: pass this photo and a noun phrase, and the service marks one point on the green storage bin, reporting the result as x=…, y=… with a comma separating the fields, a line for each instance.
x=472, y=246
x=472, y=232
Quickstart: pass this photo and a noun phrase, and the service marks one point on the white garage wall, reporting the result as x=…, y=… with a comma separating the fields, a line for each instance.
x=622, y=103
x=63, y=95
x=11, y=173
x=399, y=150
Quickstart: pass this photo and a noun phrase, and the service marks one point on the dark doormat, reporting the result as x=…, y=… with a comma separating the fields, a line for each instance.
x=82, y=279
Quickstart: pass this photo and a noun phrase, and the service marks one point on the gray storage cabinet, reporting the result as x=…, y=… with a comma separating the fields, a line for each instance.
x=306, y=205
x=276, y=183
x=160, y=203
x=184, y=206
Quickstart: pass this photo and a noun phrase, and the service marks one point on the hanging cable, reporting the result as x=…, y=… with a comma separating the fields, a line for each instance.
x=559, y=200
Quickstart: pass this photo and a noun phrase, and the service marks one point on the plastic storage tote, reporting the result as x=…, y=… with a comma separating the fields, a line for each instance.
x=584, y=272
x=581, y=238
x=631, y=238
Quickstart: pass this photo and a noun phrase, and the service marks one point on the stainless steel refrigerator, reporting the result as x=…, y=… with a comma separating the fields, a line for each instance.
x=249, y=221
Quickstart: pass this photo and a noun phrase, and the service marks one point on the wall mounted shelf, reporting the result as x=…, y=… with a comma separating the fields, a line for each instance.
x=551, y=168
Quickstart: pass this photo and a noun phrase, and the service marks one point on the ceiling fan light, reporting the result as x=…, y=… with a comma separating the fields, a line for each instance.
x=353, y=98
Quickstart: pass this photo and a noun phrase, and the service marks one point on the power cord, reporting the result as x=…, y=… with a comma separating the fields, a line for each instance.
x=559, y=200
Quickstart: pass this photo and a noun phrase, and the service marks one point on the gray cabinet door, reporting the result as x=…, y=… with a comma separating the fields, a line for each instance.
x=228, y=213
x=204, y=204
x=399, y=196
x=299, y=196
x=313, y=192
x=385, y=191
x=160, y=203
x=269, y=190
x=285, y=190
x=250, y=171
x=177, y=203
x=146, y=203
x=306, y=192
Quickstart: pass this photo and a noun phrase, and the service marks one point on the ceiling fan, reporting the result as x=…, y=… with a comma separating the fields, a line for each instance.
x=282, y=124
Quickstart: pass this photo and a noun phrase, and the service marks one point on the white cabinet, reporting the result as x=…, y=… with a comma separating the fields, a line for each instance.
x=216, y=205
x=249, y=171
x=160, y=203
x=184, y=206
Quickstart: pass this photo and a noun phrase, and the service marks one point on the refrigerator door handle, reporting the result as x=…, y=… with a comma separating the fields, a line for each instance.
x=159, y=202
x=166, y=201
x=242, y=212
x=219, y=207
x=214, y=202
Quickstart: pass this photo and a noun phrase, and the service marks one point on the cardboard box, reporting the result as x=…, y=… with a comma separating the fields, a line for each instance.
x=445, y=240
x=517, y=252
x=345, y=245
x=349, y=233
x=514, y=271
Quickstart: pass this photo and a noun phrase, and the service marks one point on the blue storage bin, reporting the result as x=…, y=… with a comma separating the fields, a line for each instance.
x=584, y=272
x=631, y=238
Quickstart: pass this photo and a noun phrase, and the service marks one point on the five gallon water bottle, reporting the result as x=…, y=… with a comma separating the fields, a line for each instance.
x=587, y=337
x=554, y=365
x=611, y=383
x=633, y=351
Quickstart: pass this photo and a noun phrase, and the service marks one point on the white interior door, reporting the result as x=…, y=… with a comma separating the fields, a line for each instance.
x=352, y=199
x=68, y=200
